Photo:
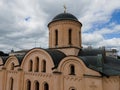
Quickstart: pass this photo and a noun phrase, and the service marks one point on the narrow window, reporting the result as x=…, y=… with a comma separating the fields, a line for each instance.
x=80, y=37
x=28, y=85
x=30, y=65
x=12, y=66
x=37, y=85
x=46, y=86
x=56, y=37
x=70, y=36
x=72, y=70
x=37, y=64
x=43, y=66
x=11, y=83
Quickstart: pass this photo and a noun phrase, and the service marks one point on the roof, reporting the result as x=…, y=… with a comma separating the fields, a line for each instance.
x=91, y=52
x=95, y=59
x=64, y=16
x=4, y=58
x=56, y=55
x=3, y=54
x=20, y=58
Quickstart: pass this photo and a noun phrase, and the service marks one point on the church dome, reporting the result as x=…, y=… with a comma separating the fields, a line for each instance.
x=64, y=16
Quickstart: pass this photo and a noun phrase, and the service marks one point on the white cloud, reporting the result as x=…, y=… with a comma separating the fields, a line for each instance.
x=106, y=30
x=114, y=42
x=91, y=39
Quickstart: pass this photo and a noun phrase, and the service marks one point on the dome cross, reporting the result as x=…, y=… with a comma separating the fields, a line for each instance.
x=65, y=8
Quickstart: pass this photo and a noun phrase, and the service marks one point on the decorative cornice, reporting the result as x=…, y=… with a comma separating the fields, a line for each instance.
x=39, y=74
x=12, y=71
x=87, y=75
x=73, y=78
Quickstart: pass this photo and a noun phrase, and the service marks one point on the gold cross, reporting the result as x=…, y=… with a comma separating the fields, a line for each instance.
x=65, y=8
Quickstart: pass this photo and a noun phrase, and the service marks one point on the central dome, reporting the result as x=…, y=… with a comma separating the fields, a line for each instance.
x=64, y=16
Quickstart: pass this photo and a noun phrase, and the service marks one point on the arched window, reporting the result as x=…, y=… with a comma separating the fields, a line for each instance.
x=30, y=65
x=11, y=83
x=12, y=66
x=43, y=66
x=28, y=85
x=37, y=64
x=36, y=85
x=72, y=70
x=56, y=37
x=72, y=88
x=70, y=36
x=46, y=86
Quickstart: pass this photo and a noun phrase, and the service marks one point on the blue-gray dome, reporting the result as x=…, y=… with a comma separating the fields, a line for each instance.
x=64, y=16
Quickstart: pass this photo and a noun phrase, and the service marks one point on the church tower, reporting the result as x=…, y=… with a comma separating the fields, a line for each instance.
x=65, y=32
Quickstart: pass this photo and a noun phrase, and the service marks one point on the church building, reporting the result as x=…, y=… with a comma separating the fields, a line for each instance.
x=65, y=65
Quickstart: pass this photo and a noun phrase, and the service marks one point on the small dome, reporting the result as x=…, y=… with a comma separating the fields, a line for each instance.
x=64, y=16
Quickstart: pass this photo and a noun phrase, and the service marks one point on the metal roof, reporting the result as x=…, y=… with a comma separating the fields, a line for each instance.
x=56, y=55
x=64, y=16
x=107, y=66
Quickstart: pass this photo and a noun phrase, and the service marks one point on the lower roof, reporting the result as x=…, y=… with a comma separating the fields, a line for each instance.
x=106, y=66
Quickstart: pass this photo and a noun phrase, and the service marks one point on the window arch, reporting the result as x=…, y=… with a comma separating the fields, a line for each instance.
x=36, y=85
x=72, y=69
x=11, y=83
x=70, y=37
x=43, y=66
x=37, y=64
x=30, y=65
x=12, y=66
x=46, y=86
x=28, y=85
x=72, y=88
x=56, y=37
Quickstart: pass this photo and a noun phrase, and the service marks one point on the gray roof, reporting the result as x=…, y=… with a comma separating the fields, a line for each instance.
x=64, y=16
x=56, y=55
x=97, y=61
x=91, y=52
x=20, y=58
x=3, y=54
x=4, y=58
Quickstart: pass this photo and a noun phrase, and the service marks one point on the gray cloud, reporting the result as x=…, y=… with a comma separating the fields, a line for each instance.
x=18, y=33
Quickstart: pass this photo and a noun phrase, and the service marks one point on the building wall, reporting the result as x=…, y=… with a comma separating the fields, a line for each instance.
x=93, y=83
x=57, y=79
x=111, y=83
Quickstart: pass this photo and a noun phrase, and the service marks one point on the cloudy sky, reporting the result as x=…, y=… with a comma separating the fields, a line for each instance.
x=23, y=23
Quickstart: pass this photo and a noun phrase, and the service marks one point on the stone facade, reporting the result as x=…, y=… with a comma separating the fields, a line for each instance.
x=56, y=68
